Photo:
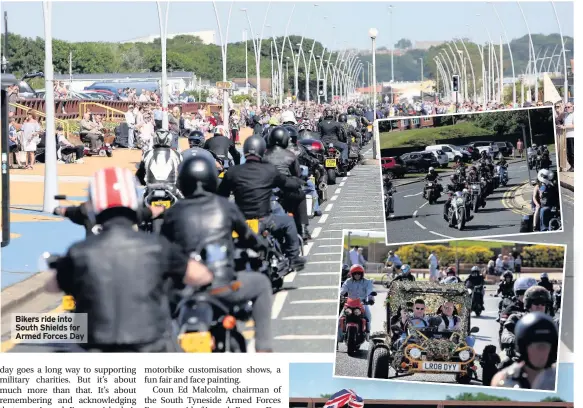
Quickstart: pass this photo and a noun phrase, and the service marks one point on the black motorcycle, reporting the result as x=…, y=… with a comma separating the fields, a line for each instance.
x=333, y=163
x=315, y=149
x=432, y=191
x=159, y=195
x=389, y=202
x=477, y=299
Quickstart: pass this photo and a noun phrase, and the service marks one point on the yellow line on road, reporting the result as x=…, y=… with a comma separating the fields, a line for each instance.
x=9, y=344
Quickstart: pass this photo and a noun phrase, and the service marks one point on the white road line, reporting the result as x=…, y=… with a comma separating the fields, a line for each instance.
x=337, y=191
x=332, y=317
x=348, y=174
x=334, y=197
x=413, y=195
x=424, y=204
x=344, y=178
x=334, y=230
x=329, y=207
x=328, y=246
x=355, y=216
x=323, y=219
x=325, y=253
x=419, y=224
x=307, y=248
x=315, y=301
x=316, y=232
x=357, y=223
x=342, y=184
x=290, y=277
x=440, y=235
x=278, y=302
x=415, y=213
x=294, y=337
x=316, y=287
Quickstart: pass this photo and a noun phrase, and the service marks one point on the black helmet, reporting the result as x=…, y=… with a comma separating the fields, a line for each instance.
x=255, y=146
x=293, y=133
x=328, y=113
x=536, y=327
x=475, y=270
x=195, y=170
x=507, y=274
x=350, y=110
x=196, y=138
x=342, y=118
x=536, y=294
x=278, y=137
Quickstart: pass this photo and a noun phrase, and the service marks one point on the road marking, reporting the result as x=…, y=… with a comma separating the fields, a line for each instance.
x=415, y=213
x=316, y=232
x=419, y=225
x=355, y=216
x=440, y=235
x=307, y=248
x=334, y=198
x=328, y=246
x=323, y=262
x=323, y=219
x=325, y=253
x=318, y=287
x=305, y=337
x=348, y=174
x=357, y=223
x=289, y=278
x=316, y=301
x=332, y=317
x=344, y=178
x=413, y=195
x=277, y=305
x=342, y=184
x=337, y=191
x=319, y=273
x=424, y=204
x=329, y=207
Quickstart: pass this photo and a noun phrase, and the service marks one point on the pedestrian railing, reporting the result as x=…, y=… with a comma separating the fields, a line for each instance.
x=110, y=112
x=26, y=109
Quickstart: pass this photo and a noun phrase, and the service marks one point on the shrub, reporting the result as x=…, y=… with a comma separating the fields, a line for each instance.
x=543, y=256
x=416, y=255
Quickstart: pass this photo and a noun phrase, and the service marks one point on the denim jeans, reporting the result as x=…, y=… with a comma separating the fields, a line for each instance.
x=544, y=219
x=285, y=229
x=310, y=188
x=343, y=150
x=131, y=137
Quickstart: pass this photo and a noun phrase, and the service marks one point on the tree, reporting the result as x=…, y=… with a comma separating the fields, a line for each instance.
x=552, y=399
x=480, y=396
x=327, y=396
x=403, y=44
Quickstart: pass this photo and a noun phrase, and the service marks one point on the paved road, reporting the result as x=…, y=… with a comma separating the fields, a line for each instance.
x=304, y=312
x=415, y=220
x=357, y=366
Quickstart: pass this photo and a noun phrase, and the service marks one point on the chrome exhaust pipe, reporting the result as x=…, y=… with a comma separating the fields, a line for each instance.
x=322, y=186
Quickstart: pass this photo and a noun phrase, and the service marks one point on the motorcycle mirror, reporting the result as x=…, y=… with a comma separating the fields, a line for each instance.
x=373, y=293
x=475, y=329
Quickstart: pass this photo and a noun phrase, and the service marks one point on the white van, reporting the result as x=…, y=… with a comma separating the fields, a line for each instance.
x=453, y=152
x=442, y=158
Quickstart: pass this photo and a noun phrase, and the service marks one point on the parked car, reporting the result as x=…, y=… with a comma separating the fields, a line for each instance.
x=442, y=158
x=506, y=148
x=453, y=152
x=394, y=166
x=419, y=161
x=474, y=153
x=489, y=147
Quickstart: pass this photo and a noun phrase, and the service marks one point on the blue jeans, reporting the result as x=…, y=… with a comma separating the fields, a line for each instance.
x=131, y=137
x=544, y=219
x=343, y=150
x=310, y=188
x=175, y=141
x=367, y=316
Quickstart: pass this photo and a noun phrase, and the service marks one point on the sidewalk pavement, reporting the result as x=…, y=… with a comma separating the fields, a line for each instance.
x=567, y=180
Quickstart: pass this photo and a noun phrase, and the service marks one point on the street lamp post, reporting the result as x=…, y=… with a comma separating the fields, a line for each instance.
x=373, y=32
x=532, y=51
x=471, y=67
x=280, y=55
x=297, y=58
x=391, y=42
x=246, y=63
x=224, y=43
x=566, y=79
x=510, y=53
x=257, y=49
x=484, y=95
x=164, y=80
x=51, y=178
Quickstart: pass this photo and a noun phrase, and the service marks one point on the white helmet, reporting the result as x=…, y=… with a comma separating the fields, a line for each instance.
x=431, y=169
x=288, y=116
x=163, y=138
x=221, y=130
x=543, y=176
x=524, y=283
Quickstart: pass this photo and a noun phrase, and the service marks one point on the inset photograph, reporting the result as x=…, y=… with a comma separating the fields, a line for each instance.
x=470, y=175
x=469, y=312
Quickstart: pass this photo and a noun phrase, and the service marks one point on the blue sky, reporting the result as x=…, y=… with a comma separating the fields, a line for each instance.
x=118, y=21
x=312, y=380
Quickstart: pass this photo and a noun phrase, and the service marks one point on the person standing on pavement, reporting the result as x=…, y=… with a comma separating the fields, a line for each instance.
x=131, y=122
x=519, y=148
x=569, y=126
x=433, y=267
x=356, y=257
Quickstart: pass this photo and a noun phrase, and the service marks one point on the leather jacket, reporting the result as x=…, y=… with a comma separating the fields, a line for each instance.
x=285, y=161
x=330, y=130
x=222, y=146
x=206, y=218
x=118, y=279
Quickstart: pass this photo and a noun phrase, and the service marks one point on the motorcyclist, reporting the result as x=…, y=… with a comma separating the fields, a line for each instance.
x=132, y=278
x=221, y=145
x=349, y=131
x=287, y=163
x=535, y=341
x=430, y=177
x=545, y=196
x=546, y=283
x=196, y=139
x=405, y=274
x=503, y=165
x=451, y=273
x=305, y=159
x=475, y=279
x=206, y=219
x=455, y=185
x=160, y=165
x=506, y=287
x=331, y=133
x=252, y=184
x=288, y=118
x=358, y=287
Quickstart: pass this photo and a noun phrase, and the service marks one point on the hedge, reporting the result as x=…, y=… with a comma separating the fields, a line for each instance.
x=416, y=255
x=543, y=256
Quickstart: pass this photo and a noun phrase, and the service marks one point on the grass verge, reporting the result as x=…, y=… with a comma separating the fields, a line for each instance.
x=429, y=136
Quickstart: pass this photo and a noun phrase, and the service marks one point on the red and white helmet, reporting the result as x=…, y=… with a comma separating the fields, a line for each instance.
x=113, y=187
x=356, y=269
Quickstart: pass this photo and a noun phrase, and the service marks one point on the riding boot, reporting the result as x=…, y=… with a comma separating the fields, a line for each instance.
x=306, y=233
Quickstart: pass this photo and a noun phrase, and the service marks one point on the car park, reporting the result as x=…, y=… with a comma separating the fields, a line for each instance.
x=419, y=161
x=453, y=152
x=393, y=166
x=442, y=158
x=488, y=147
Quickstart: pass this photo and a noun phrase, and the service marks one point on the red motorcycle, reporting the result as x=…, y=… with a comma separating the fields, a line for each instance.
x=353, y=324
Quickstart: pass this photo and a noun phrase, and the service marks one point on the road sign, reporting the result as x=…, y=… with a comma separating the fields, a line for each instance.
x=224, y=85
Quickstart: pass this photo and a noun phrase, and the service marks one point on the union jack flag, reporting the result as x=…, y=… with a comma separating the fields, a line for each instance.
x=345, y=397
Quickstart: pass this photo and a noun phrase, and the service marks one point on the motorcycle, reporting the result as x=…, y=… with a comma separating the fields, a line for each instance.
x=557, y=298
x=353, y=324
x=503, y=174
x=389, y=202
x=159, y=195
x=333, y=163
x=504, y=304
x=432, y=191
x=457, y=211
x=315, y=149
x=477, y=293
x=310, y=202
x=354, y=156
x=477, y=199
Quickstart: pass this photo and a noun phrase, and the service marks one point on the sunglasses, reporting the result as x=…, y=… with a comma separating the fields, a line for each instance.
x=419, y=308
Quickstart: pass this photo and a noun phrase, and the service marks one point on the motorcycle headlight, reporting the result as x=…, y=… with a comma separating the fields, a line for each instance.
x=348, y=311
x=460, y=201
x=357, y=312
x=415, y=353
x=464, y=355
x=429, y=184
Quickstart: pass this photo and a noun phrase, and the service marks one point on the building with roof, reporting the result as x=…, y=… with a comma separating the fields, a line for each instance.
x=207, y=37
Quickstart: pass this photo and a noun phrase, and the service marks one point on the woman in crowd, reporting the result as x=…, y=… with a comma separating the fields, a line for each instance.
x=30, y=139
x=66, y=147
